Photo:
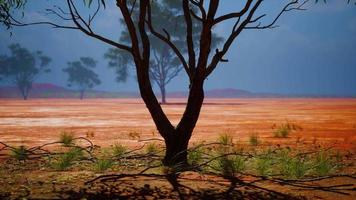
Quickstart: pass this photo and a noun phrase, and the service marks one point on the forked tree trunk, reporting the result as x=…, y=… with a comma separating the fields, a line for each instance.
x=177, y=143
x=176, y=138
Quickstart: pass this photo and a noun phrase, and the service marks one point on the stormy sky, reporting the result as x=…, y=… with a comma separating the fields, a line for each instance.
x=311, y=52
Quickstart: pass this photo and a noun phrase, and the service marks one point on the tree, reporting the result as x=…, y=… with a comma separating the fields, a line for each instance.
x=22, y=67
x=165, y=66
x=80, y=74
x=199, y=63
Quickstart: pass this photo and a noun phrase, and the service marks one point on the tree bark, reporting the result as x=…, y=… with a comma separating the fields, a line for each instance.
x=177, y=143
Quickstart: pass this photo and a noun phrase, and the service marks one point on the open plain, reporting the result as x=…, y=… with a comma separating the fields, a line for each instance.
x=126, y=121
x=320, y=124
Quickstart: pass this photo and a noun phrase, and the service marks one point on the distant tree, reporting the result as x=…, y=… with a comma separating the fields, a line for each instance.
x=81, y=74
x=165, y=65
x=22, y=67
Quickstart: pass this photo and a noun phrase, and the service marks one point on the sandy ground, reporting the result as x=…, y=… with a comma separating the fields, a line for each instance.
x=37, y=121
x=329, y=122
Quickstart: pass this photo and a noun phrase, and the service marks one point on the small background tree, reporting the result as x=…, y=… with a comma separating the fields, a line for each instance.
x=22, y=67
x=81, y=74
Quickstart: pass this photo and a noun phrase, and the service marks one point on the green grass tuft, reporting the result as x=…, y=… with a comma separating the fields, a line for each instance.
x=230, y=165
x=225, y=139
x=103, y=164
x=151, y=148
x=195, y=156
x=66, y=159
x=254, y=139
x=119, y=150
x=19, y=153
x=66, y=138
x=325, y=163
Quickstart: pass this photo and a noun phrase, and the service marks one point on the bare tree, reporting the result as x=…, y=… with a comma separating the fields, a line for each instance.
x=164, y=66
x=199, y=63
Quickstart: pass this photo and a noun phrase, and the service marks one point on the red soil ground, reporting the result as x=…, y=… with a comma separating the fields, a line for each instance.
x=37, y=121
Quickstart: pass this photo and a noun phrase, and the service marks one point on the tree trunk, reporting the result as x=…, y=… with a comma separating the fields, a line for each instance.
x=163, y=94
x=176, y=138
x=24, y=91
x=81, y=94
x=177, y=143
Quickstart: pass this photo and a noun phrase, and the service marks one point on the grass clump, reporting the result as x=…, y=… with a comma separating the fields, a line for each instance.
x=230, y=165
x=66, y=138
x=283, y=130
x=195, y=156
x=151, y=148
x=225, y=139
x=292, y=166
x=119, y=150
x=325, y=163
x=254, y=139
x=19, y=153
x=103, y=164
x=264, y=163
x=66, y=159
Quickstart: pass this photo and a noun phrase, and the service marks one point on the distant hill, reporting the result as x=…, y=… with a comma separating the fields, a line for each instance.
x=226, y=93
x=48, y=90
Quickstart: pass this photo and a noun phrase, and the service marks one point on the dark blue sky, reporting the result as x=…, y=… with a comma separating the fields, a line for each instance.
x=312, y=52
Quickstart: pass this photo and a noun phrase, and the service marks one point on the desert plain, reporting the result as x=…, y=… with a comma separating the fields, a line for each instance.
x=322, y=123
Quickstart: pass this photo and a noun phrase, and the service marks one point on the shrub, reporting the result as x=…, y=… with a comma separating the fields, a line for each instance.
x=66, y=138
x=66, y=159
x=254, y=139
x=19, y=153
x=119, y=150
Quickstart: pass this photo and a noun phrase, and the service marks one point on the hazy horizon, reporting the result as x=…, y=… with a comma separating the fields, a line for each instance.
x=311, y=52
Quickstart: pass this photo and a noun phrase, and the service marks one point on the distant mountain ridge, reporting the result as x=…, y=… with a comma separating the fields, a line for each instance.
x=49, y=90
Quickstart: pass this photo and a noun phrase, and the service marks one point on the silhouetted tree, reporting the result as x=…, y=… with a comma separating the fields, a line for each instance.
x=199, y=62
x=22, y=67
x=165, y=66
x=81, y=75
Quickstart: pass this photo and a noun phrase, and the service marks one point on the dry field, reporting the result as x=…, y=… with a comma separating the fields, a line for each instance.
x=37, y=121
x=322, y=123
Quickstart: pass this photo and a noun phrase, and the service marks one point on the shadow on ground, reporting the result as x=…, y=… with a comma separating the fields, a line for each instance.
x=168, y=187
